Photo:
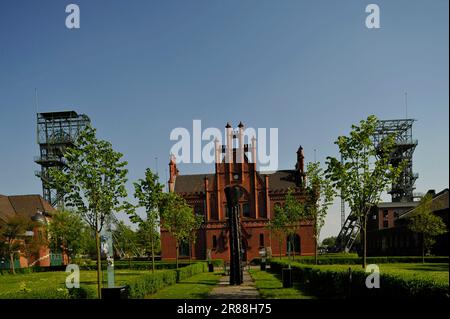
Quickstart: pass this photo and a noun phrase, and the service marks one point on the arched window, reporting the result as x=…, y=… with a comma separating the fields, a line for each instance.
x=198, y=210
x=295, y=242
x=246, y=210
x=214, y=242
x=261, y=240
x=184, y=249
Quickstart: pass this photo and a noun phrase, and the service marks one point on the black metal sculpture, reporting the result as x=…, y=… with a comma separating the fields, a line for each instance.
x=233, y=193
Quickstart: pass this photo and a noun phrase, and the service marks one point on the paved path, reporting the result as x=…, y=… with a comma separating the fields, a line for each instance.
x=224, y=290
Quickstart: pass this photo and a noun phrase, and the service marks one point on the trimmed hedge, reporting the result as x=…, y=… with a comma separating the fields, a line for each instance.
x=146, y=265
x=33, y=269
x=151, y=283
x=50, y=293
x=137, y=287
x=324, y=260
x=120, y=264
x=191, y=270
x=336, y=284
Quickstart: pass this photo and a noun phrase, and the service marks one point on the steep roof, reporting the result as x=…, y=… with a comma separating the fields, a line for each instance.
x=191, y=183
x=194, y=183
x=439, y=202
x=25, y=205
x=282, y=179
x=6, y=209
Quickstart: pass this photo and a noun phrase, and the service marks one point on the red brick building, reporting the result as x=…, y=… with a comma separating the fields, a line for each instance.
x=205, y=193
x=36, y=209
x=388, y=234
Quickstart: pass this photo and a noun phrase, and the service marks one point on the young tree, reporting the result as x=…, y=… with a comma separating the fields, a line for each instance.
x=291, y=214
x=148, y=192
x=148, y=239
x=93, y=182
x=125, y=240
x=426, y=224
x=329, y=242
x=192, y=235
x=88, y=242
x=365, y=171
x=176, y=218
x=64, y=233
x=12, y=237
x=319, y=197
x=34, y=241
x=277, y=226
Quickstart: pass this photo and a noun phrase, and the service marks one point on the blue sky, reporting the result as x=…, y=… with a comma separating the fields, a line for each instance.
x=141, y=68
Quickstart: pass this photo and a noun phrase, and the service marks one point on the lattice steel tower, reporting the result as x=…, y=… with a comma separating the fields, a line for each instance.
x=55, y=132
x=402, y=190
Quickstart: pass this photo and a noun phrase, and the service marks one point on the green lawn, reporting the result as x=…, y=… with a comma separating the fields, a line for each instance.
x=195, y=287
x=438, y=272
x=270, y=286
x=56, y=279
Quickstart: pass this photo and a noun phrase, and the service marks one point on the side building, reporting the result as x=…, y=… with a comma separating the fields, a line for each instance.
x=388, y=233
x=38, y=210
x=262, y=192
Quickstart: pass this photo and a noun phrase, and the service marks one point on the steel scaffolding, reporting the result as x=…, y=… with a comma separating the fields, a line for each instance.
x=55, y=132
x=403, y=189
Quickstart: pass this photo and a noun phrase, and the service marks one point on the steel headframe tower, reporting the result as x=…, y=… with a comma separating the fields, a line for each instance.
x=402, y=190
x=55, y=132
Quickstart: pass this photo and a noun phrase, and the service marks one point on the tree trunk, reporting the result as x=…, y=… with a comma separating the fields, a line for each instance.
x=11, y=263
x=315, y=250
x=153, y=253
x=99, y=264
x=364, y=243
x=281, y=247
x=289, y=252
x=190, y=252
x=293, y=247
x=176, y=259
x=423, y=248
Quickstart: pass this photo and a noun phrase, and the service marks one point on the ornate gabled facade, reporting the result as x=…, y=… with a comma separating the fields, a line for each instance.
x=205, y=193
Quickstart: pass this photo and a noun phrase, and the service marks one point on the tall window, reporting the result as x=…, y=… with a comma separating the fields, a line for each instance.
x=214, y=241
x=246, y=210
x=261, y=240
x=184, y=249
x=198, y=210
x=295, y=241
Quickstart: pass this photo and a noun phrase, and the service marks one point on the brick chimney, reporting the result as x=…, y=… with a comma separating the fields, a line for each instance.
x=300, y=166
x=173, y=173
